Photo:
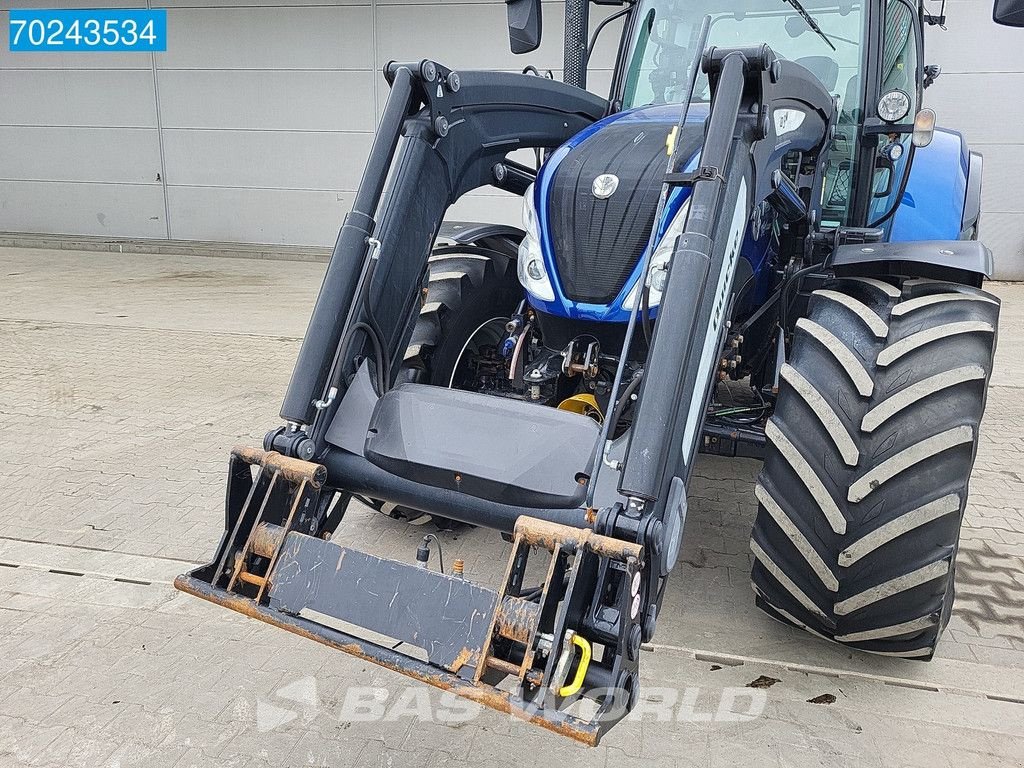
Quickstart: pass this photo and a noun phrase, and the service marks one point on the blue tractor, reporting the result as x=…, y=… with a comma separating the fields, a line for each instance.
x=759, y=245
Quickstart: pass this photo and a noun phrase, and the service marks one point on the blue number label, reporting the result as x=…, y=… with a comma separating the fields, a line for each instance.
x=106, y=29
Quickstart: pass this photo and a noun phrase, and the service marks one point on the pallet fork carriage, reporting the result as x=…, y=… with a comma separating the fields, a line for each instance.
x=472, y=635
x=598, y=485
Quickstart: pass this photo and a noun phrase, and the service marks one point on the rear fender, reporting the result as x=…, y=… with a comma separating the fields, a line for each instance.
x=474, y=232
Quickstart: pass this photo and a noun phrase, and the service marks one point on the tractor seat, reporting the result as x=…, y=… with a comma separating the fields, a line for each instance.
x=495, y=448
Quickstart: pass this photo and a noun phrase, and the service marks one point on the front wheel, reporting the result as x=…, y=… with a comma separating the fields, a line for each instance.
x=869, y=456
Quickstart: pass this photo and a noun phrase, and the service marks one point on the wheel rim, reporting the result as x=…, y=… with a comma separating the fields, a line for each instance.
x=488, y=332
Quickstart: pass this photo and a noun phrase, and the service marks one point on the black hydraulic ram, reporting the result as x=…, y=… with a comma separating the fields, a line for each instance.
x=740, y=163
x=455, y=128
x=339, y=286
x=692, y=312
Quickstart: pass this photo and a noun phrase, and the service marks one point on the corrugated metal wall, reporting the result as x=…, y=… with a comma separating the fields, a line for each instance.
x=253, y=127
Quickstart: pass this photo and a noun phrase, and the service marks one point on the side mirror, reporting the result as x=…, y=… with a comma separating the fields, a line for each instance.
x=524, y=25
x=883, y=163
x=1009, y=13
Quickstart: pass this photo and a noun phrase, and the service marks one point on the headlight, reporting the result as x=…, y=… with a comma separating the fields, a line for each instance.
x=893, y=106
x=657, y=276
x=532, y=272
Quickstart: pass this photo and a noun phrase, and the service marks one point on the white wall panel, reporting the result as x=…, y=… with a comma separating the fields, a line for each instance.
x=266, y=159
x=296, y=37
x=1001, y=189
x=267, y=100
x=1004, y=234
x=288, y=217
x=112, y=155
x=122, y=99
x=67, y=208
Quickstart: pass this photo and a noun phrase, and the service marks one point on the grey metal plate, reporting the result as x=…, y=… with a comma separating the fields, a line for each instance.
x=446, y=616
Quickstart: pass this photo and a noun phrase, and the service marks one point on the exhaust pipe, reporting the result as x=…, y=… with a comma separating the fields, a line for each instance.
x=577, y=28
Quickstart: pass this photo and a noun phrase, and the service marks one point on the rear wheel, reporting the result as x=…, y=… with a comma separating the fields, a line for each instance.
x=870, y=451
x=469, y=296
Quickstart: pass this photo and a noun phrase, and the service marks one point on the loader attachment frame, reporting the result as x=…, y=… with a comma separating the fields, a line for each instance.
x=472, y=636
x=531, y=650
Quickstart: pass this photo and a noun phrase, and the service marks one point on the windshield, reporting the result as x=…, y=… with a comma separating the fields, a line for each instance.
x=666, y=33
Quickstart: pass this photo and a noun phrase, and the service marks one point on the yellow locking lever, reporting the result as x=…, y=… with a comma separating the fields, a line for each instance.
x=581, y=670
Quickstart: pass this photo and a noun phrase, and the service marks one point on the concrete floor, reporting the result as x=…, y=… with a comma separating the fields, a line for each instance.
x=125, y=380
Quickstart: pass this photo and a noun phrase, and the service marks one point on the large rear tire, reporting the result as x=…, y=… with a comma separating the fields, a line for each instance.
x=869, y=456
x=466, y=289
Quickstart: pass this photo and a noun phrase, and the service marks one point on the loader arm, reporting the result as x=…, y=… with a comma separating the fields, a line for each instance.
x=579, y=633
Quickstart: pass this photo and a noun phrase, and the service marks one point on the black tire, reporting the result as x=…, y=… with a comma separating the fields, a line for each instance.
x=869, y=456
x=464, y=290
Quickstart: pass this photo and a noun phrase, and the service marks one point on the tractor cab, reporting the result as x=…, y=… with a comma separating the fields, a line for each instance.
x=868, y=55
x=589, y=215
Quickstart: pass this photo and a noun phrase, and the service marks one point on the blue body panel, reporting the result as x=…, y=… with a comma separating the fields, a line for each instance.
x=755, y=251
x=933, y=206
x=932, y=209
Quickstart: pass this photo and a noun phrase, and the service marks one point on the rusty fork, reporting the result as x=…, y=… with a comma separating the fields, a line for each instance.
x=519, y=620
x=264, y=538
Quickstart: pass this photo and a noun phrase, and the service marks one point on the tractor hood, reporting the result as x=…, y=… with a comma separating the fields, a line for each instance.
x=595, y=200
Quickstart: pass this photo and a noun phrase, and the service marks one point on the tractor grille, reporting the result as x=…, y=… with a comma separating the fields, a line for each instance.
x=598, y=242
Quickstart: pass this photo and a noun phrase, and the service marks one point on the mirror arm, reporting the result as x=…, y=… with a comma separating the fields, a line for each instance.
x=602, y=25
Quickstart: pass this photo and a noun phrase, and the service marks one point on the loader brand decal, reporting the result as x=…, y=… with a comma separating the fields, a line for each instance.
x=605, y=186
x=787, y=120
x=712, y=340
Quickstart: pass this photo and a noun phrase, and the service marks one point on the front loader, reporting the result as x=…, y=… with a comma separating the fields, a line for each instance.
x=734, y=217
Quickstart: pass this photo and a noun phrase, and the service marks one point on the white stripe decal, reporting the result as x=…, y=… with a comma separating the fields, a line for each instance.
x=800, y=541
x=788, y=616
x=892, y=587
x=444, y=256
x=853, y=367
x=784, y=580
x=905, y=523
x=807, y=475
x=446, y=276
x=895, y=630
x=903, y=654
x=898, y=349
x=910, y=395
x=874, y=323
x=910, y=305
x=888, y=289
x=907, y=458
x=826, y=415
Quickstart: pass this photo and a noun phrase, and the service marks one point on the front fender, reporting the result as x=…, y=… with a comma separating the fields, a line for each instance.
x=933, y=205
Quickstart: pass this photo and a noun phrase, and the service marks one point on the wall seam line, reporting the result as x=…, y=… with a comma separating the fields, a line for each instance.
x=160, y=136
